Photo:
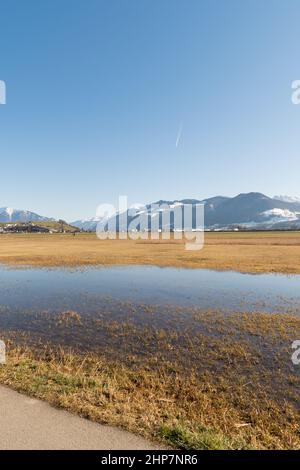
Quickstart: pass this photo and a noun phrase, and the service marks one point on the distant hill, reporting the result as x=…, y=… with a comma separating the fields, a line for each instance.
x=56, y=226
x=52, y=226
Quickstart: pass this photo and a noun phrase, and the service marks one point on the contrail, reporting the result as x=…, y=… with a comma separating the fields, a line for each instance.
x=179, y=135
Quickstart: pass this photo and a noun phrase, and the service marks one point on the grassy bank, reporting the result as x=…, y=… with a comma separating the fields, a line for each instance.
x=245, y=252
x=231, y=386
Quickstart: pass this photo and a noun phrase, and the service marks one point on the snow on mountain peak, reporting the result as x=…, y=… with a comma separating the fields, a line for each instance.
x=284, y=198
x=9, y=211
x=280, y=214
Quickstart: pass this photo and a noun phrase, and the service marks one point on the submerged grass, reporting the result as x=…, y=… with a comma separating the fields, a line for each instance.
x=225, y=404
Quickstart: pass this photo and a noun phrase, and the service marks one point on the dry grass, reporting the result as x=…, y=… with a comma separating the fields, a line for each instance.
x=245, y=252
x=231, y=386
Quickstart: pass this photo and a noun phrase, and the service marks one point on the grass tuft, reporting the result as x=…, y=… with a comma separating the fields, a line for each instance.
x=197, y=439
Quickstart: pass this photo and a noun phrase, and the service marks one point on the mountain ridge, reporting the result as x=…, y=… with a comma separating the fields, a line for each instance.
x=11, y=215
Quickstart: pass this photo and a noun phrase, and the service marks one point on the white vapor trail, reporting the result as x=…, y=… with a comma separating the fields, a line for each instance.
x=179, y=135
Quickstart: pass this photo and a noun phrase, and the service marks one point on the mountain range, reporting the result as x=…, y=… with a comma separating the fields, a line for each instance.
x=244, y=211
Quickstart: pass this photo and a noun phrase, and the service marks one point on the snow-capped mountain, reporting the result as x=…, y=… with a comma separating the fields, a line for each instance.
x=244, y=211
x=287, y=198
x=8, y=214
x=88, y=225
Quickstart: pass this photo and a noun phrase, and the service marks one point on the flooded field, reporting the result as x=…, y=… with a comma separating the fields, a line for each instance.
x=221, y=334
x=88, y=289
x=78, y=307
x=132, y=311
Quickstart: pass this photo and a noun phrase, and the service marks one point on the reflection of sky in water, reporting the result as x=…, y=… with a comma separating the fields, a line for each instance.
x=60, y=289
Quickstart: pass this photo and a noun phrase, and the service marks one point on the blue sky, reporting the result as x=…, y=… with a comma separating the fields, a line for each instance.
x=97, y=91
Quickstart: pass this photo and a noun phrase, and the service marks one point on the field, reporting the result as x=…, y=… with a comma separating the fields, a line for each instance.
x=254, y=252
x=221, y=380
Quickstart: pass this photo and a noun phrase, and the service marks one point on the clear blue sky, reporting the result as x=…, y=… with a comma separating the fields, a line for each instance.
x=97, y=92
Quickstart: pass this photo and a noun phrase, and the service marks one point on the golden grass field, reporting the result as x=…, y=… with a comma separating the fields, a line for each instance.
x=255, y=252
